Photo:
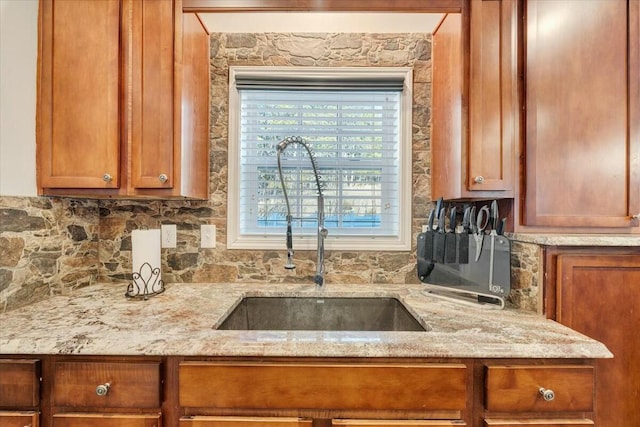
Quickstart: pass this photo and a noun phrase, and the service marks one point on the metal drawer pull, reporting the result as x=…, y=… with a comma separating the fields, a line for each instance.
x=103, y=389
x=547, y=394
x=163, y=177
x=478, y=179
x=107, y=177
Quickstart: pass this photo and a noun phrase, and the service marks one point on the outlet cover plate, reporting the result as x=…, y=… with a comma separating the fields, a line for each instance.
x=169, y=235
x=207, y=236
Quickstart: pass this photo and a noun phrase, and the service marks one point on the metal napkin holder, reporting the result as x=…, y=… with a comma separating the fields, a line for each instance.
x=146, y=283
x=472, y=278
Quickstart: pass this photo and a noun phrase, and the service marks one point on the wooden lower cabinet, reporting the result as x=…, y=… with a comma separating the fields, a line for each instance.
x=396, y=423
x=176, y=391
x=537, y=423
x=19, y=419
x=521, y=388
x=324, y=386
x=204, y=421
x=106, y=420
x=598, y=294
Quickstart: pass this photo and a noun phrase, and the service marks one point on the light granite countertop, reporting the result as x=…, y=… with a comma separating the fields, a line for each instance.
x=99, y=320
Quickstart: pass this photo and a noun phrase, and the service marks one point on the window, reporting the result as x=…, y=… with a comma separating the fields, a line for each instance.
x=358, y=123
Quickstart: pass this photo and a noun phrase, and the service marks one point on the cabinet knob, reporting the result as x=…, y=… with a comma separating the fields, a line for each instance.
x=103, y=389
x=107, y=177
x=163, y=177
x=547, y=394
x=478, y=179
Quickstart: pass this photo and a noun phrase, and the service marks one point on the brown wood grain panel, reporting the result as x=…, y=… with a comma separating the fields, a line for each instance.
x=205, y=421
x=132, y=385
x=19, y=383
x=106, y=420
x=599, y=296
x=491, y=139
x=194, y=127
x=516, y=388
x=152, y=97
x=323, y=386
x=19, y=419
x=78, y=138
x=396, y=423
x=538, y=423
x=434, y=6
x=577, y=148
x=446, y=113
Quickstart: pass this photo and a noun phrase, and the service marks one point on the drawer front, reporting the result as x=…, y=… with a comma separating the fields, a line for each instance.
x=323, y=386
x=517, y=388
x=110, y=420
x=396, y=423
x=19, y=383
x=203, y=421
x=124, y=385
x=18, y=419
x=537, y=423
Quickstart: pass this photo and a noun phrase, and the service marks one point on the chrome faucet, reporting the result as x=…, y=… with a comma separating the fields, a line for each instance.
x=322, y=231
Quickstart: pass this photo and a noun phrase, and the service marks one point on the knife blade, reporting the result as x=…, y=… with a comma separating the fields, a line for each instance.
x=450, y=253
x=463, y=238
x=439, y=239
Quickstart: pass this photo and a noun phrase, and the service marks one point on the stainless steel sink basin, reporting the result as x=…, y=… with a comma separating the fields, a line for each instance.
x=320, y=314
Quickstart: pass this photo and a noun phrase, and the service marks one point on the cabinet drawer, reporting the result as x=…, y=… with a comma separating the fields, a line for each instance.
x=106, y=420
x=396, y=423
x=203, y=421
x=537, y=423
x=323, y=386
x=18, y=419
x=19, y=383
x=517, y=388
x=129, y=385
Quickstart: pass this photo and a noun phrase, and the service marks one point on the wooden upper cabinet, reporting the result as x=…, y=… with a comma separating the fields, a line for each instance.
x=582, y=138
x=152, y=99
x=119, y=82
x=79, y=105
x=474, y=102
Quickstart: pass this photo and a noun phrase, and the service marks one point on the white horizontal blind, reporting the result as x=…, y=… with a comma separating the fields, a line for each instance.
x=355, y=137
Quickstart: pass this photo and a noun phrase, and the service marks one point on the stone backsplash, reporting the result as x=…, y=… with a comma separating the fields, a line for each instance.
x=49, y=246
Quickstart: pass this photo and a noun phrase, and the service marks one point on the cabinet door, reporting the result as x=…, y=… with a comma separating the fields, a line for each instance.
x=106, y=420
x=537, y=423
x=473, y=155
x=19, y=383
x=78, y=139
x=599, y=296
x=18, y=419
x=205, y=421
x=152, y=93
x=492, y=95
x=582, y=150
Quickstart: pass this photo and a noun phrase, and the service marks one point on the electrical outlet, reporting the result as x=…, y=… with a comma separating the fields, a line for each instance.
x=169, y=235
x=208, y=236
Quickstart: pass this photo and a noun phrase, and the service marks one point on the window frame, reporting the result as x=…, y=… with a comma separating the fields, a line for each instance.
x=399, y=242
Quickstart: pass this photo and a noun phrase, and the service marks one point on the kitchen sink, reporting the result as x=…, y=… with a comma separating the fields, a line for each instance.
x=321, y=314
